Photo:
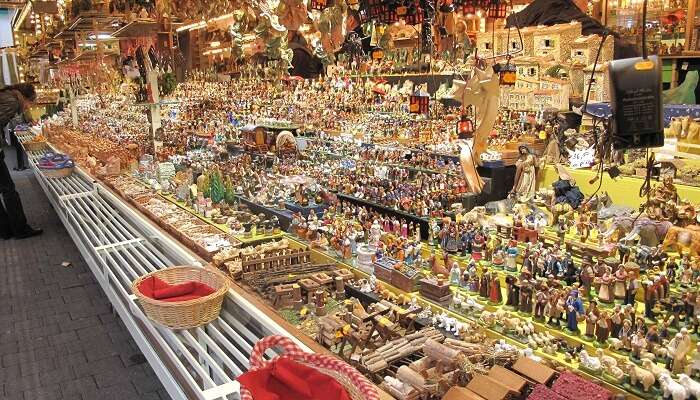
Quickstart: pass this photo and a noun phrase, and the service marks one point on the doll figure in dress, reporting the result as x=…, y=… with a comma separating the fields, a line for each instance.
x=592, y=315
x=525, y=184
x=455, y=274
x=602, y=331
x=498, y=260
x=513, y=291
x=484, y=284
x=511, y=254
x=574, y=310
x=605, y=292
x=541, y=299
x=495, y=289
x=375, y=233
x=620, y=282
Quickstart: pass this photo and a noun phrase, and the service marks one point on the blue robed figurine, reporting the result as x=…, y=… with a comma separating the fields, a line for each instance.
x=574, y=309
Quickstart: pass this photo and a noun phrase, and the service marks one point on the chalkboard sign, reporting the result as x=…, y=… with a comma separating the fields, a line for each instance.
x=635, y=99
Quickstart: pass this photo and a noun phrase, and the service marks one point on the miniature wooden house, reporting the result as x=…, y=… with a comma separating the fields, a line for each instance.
x=521, y=99
x=553, y=93
x=488, y=43
x=527, y=83
x=556, y=41
x=506, y=40
x=585, y=48
x=527, y=68
x=600, y=85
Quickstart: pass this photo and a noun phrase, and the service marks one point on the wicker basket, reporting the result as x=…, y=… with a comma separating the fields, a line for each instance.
x=57, y=173
x=356, y=385
x=34, y=146
x=184, y=314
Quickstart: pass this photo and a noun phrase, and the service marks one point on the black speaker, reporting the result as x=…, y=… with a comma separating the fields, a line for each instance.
x=635, y=100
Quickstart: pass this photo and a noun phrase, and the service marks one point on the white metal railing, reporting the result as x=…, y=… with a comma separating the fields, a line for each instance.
x=119, y=245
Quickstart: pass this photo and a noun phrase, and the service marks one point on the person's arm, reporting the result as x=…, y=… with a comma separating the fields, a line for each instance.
x=23, y=107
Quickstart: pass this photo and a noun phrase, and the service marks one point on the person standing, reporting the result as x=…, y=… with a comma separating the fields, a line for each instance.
x=14, y=100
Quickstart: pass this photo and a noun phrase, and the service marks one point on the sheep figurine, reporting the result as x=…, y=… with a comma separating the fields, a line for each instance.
x=645, y=355
x=589, y=362
x=655, y=368
x=605, y=360
x=529, y=328
x=692, y=386
x=640, y=375
x=672, y=388
x=616, y=372
x=488, y=318
x=615, y=343
x=470, y=304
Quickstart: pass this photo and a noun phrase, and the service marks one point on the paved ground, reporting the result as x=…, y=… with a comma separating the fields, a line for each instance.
x=58, y=336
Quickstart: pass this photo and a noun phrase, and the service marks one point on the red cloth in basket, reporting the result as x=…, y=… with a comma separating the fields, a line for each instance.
x=158, y=289
x=286, y=379
x=306, y=382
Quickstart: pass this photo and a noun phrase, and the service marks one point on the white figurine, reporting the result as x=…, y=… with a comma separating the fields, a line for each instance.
x=672, y=388
x=589, y=362
x=692, y=386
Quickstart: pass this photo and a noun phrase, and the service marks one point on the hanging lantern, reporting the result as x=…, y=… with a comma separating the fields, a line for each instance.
x=401, y=11
x=465, y=127
x=507, y=74
x=318, y=4
x=483, y=4
x=498, y=9
x=469, y=6
x=419, y=103
x=377, y=53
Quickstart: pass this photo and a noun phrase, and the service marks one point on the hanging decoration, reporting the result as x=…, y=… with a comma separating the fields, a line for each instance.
x=507, y=74
x=465, y=127
x=470, y=6
x=497, y=9
x=318, y=4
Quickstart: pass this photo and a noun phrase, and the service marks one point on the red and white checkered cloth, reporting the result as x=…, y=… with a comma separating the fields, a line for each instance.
x=293, y=352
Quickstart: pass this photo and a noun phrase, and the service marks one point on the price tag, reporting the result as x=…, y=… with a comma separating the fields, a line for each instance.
x=582, y=158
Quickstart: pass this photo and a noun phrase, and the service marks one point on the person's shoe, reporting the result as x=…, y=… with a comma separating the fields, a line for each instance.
x=5, y=235
x=29, y=232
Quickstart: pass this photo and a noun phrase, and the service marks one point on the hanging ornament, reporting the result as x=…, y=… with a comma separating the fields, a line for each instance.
x=377, y=53
x=507, y=74
x=469, y=6
x=319, y=5
x=498, y=9
x=465, y=127
x=483, y=4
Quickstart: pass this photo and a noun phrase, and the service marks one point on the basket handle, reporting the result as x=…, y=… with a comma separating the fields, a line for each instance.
x=294, y=352
x=290, y=348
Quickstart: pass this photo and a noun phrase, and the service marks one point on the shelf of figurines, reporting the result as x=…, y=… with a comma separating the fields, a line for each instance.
x=406, y=281
x=299, y=300
x=300, y=277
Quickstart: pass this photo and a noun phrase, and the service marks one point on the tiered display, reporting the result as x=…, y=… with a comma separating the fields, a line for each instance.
x=395, y=266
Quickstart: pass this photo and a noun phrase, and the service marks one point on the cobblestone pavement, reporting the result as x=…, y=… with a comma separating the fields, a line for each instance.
x=59, y=338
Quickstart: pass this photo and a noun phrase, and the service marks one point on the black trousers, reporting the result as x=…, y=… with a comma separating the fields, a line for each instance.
x=19, y=150
x=12, y=218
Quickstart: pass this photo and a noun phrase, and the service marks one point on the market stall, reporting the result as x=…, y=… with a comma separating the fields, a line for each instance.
x=451, y=200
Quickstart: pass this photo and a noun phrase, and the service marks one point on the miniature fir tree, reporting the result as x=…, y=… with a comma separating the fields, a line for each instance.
x=216, y=186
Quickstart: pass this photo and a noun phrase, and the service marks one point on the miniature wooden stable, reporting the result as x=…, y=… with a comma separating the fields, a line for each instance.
x=284, y=266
